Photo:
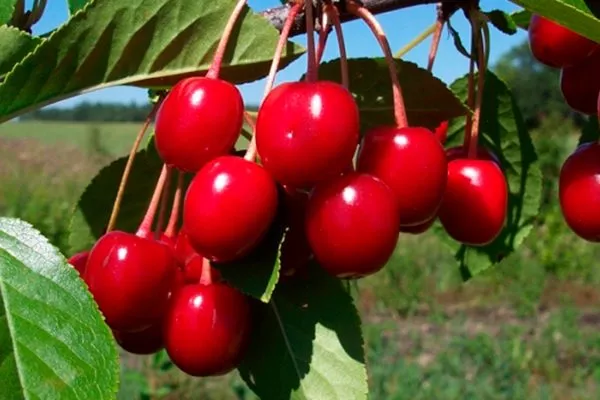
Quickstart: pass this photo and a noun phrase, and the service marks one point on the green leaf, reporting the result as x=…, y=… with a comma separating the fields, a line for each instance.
x=257, y=274
x=458, y=41
x=521, y=18
x=7, y=8
x=146, y=43
x=53, y=341
x=14, y=46
x=590, y=132
x=308, y=344
x=580, y=16
x=502, y=21
x=89, y=219
x=427, y=99
x=503, y=131
x=76, y=5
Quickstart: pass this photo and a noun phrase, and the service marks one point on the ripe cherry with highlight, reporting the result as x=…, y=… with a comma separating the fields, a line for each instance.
x=131, y=279
x=475, y=203
x=228, y=208
x=352, y=225
x=412, y=162
x=199, y=119
x=307, y=132
x=207, y=329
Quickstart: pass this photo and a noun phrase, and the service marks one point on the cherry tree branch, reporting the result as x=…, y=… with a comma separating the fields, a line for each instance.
x=278, y=15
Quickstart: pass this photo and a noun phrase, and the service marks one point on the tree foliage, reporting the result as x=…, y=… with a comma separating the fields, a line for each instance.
x=307, y=341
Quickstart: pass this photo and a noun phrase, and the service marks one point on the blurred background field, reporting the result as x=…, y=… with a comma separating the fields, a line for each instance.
x=528, y=329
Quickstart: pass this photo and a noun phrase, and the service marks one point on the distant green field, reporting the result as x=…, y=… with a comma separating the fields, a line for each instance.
x=115, y=138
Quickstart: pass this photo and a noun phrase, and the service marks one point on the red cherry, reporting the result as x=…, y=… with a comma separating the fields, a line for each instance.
x=580, y=85
x=412, y=162
x=168, y=240
x=579, y=191
x=228, y=208
x=147, y=341
x=557, y=46
x=307, y=132
x=474, y=208
x=352, y=225
x=483, y=153
x=79, y=261
x=441, y=132
x=418, y=229
x=183, y=249
x=207, y=329
x=199, y=119
x=131, y=279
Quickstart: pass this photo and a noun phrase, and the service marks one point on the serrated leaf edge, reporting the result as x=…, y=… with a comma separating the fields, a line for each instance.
x=73, y=273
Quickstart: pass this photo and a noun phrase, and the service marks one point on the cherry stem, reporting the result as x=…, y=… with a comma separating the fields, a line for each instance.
x=323, y=35
x=371, y=21
x=206, y=276
x=435, y=43
x=146, y=225
x=481, y=71
x=164, y=201
x=215, y=67
x=283, y=37
x=249, y=120
x=174, y=217
x=415, y=42
x=311, y=69
x=337, y=25
x=127, y=171
x=470, y=94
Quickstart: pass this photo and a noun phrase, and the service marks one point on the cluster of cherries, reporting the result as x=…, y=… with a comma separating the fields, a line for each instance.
x=579, y=61
x=344, y=201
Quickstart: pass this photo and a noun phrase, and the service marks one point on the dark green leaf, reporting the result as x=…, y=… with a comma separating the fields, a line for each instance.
x=7, y=8
x=521, y=18
x=502, y=21
x=257, y=274
x=76, y=5
x=590, y=132
x=53, y=342
x=308, y=344
x=14, y=46
x=580, y=16
x=427, y=99
x=503, y=131
x=147, y=43
x=458, y=41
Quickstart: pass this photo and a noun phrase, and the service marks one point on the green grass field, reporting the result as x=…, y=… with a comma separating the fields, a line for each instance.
x=529, y=329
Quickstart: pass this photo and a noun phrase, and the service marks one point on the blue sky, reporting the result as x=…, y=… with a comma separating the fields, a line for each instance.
x=400, y=26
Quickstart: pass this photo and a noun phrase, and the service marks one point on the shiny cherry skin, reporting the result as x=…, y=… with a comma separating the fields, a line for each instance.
x=580, y=85
x=441, y=132
x=79, y=261
x=352, y=225
x=412, y=162
x=207, y=329
x=199, y=119
x=307, y=132
x=131, y=279
x=475, y=204
x=190, y=261
x=579, y=191
x=556, y=46
x=229, y=207
x=144, y=342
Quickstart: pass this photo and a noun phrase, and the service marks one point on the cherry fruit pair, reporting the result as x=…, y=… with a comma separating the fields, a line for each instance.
x=578, y=58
